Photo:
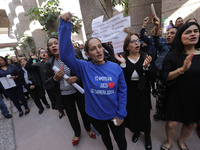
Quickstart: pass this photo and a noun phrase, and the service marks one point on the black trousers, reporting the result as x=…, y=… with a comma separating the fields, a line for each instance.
x=38, y=93
x=118, y=132
x=52, y=98
x=16, y=94
x=69, y=102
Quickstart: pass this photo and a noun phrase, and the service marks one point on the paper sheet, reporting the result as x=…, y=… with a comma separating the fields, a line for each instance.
x=7, y=82
x=80, y=89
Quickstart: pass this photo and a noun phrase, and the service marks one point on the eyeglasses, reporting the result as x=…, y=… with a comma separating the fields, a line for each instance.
x=135, y=41
x=43, y=52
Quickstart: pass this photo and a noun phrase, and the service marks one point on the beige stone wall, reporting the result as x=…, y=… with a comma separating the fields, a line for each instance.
x=4, y=19
x=91, y=9
x=139, y=9
x=172, y=9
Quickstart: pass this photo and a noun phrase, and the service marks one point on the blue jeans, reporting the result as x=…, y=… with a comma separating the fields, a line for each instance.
x=3, y=107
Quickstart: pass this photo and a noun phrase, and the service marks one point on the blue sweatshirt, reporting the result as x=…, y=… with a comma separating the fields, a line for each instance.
x=104, y=85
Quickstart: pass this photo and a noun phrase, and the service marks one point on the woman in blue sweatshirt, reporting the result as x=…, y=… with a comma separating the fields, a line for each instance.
x=104, y=85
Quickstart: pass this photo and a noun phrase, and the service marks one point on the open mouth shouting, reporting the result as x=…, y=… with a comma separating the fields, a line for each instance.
x=55, y=50
x=99, y=56
x=137, y=47
x=168, y=39
x=193, y=39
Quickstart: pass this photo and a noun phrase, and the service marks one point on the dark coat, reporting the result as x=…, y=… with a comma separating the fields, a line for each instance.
x=22, y=80
x=52, y=86
x=34, y=72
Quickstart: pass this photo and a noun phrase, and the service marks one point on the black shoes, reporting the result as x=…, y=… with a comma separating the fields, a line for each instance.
x=135, y=137
x=61, y=115
x=148, y=144
x=21, y=114
x=8, y=116
x=163, y=147
x=48, y=106
x=55, y=107
x=27, y=111
x=41, y=111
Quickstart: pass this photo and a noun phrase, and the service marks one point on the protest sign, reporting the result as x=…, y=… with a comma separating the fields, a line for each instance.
x=97, y=21
x=111, y=29
x=119, y=42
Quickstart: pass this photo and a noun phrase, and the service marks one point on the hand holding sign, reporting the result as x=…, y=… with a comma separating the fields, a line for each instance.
x=156, y=22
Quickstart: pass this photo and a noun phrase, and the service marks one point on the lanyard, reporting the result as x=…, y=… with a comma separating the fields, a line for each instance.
x=60, y=65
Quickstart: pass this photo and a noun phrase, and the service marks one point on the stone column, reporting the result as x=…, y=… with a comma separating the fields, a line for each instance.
x=34, y=26
x=21, y=24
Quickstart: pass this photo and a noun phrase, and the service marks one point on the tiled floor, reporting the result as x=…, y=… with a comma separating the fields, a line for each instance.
x=48, y=132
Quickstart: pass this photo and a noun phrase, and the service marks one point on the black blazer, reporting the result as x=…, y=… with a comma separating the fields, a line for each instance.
x=52, y=86
x=34, y=72
x=22, y=80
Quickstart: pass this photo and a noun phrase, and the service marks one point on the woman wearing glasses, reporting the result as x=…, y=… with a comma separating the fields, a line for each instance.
x=44, y=57
x=36, y=72
x=138, y=72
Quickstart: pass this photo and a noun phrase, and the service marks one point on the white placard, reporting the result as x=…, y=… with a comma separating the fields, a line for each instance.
x=110, y=29
x=80, y=89
x=118, y=42
x=7, y=82
x=97, y=21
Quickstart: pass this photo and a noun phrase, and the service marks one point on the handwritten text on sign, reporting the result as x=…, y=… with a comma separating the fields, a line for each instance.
x=111, y=30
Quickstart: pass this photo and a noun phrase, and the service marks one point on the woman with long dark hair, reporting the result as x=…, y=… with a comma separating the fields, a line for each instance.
x=14, y=93
x=64, y=92
x=181, y=71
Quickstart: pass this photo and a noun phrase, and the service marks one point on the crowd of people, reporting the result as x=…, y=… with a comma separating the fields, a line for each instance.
x=117, y=87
